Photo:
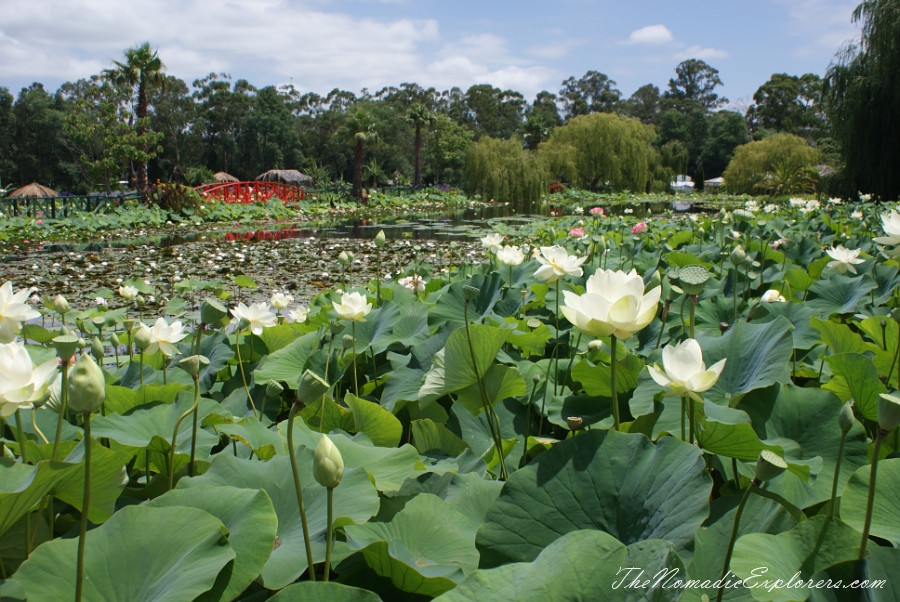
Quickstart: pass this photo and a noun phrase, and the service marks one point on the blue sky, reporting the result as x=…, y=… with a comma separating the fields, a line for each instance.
x=318, y=45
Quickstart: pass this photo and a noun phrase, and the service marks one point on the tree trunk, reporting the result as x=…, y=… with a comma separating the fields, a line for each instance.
x=141, y=131
x=357, y=169
x=417, y=173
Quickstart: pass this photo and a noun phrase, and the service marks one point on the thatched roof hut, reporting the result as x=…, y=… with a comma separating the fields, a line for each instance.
x=221, y=176
x=33, y=191
x=288, y=176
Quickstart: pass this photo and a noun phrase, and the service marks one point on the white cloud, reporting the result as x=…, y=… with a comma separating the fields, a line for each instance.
x=821, y=25
x=698, y=52
x=651, y=34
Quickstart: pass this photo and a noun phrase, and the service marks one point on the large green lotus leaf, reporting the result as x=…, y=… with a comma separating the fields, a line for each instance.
x=379, y=425
x=856, y=377
x=355, y=500
x=879, y=570
x=886, y=507
x=757, y=356
x=470, y=494
x=804, y=335
x=403, y=381
x=428, y=435
x=278, y=336
x=581, y=565
x=761, y=515
x=838, y=337
x=411, y=326
x=791, y=415
x=619, y=483
x=375, y=332
x=727, y=432
x=322, y=591
x=388, y=467
x=23, y=486
x=840, y=294
x=251, y=522
x=452, y=301
x=326, y=416
x=219, y=353
x=141, y=553
x=139, y=427
x=250, y=431
x=596, y=378
x=108, y=479
x=499, y=383
x=120, y=400
x=808, y=548
x=454, y=370
x=287, y=364
x=426, y=548
x=511, y=415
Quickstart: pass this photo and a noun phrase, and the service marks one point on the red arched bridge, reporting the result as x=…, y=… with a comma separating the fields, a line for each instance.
x=251, y=192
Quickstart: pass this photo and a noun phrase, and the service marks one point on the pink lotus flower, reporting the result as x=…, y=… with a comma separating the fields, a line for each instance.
x=639, y=227
x=597, y=211
x=576, y=232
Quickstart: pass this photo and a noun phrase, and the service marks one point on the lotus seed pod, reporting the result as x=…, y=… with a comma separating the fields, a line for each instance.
x=212, y=311
x=274, y=389
x=738, y=256
x=66, y=346
x=87, y=387
x=337, y=328
x=347, y=341
x=470, y=292
x=769, y=465
x=380, y=239
x=193, y=364
x=888, y=412
x=575, y=423
x=845, y=418
x=61, y=305
x=128, y=323
x=311, y=387
x=692, y=278
x=97, y=348
x=328, y=465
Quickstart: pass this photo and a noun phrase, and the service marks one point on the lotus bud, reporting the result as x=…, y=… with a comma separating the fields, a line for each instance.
x=595, y=345
x=845, y=418
x=350, y=256
x=337, y=328
x=343, y=258
x=97, y=348
x=142, y=338
x=347, y=341
x=312, y=386
x=737, y=256
x=470, y=292
x=114, y=339
x=61, y=305
x=274, y=389
x=66, y=346
x=243, y=324
x=81, y=343
x=193, y=364
x=536, y=378
x=87, y=387
x=140, y=301
x=212, y=311
x=380, y=239
x=328, y=465
x=575, y=423
x=64, y=330
x=888, y=412
x=769, y=465
x=601, y=245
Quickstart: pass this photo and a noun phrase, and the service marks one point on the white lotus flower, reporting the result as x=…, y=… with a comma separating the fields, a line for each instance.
x=492, y=241
x=772, y=296
x=14, y=310
x=258, y=316
x=844, y=259
x=353, y=307
x=891, y=224
x=683, y=371
x=129, y=293
x=21, y=383
x=413, y=283
x=556, y=263
x=298, y=314
x=614, y=303
x=509, y=255
x=163, y=337
x=281, y=301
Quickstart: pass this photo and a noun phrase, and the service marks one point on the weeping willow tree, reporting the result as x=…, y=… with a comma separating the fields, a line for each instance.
x=862, y=94
x=502, y=170
x=602, y=149
x=780, y=164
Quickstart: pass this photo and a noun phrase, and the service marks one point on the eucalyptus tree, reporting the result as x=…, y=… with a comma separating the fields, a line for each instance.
x=446, y=149
x=221, y=109
x=695, y=81
x=173, y=115
x=790, y=104
x=8, y=165
x=726, y=131
x=268, y=139
x=141, y=70
x=644, y=104
x=38, y=118
x=490, y=111
x=541, y=116
x=862, y=94
x=594, y=92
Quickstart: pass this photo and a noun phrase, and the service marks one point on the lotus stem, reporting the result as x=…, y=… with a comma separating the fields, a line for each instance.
x=143, y=390
x=184, y=415
x=196, y=408
x=38, y=430
x=734, y=534
x=20, y=436
x=237, y=349
x=870, y=501
x=837, y=473
x=85, y=506
x=299, y=490
x=329, y=537
x=612, y=381
x=353, y=336
x=683, y=415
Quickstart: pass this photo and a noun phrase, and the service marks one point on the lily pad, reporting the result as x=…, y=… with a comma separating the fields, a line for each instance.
x=886, y=507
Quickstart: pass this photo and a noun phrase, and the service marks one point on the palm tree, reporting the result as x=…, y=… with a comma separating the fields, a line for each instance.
x=362, y=129
x=419, y=116
x=142, y=68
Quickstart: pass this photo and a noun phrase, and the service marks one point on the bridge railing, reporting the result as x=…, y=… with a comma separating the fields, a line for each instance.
x=61, y=206
x=251, y=192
